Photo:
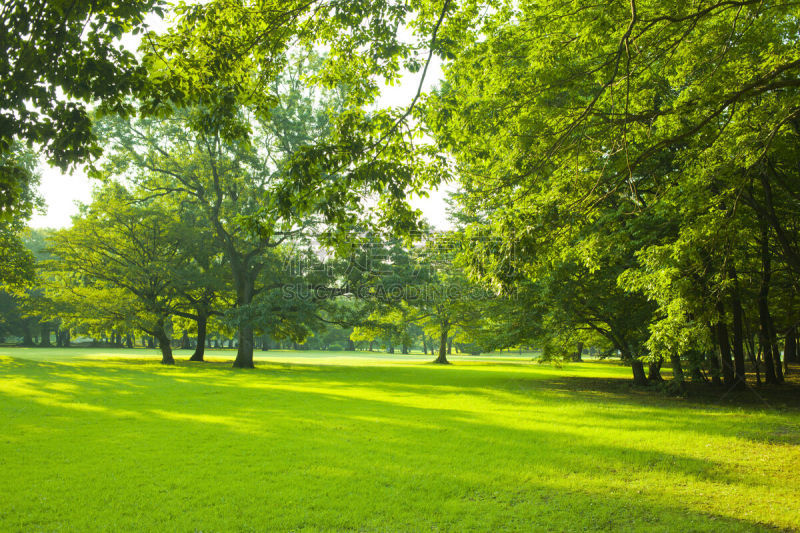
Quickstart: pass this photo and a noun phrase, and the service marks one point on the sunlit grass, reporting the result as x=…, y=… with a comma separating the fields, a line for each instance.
x=355, y=442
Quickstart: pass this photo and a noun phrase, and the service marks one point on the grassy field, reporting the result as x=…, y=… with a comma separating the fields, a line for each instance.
x=94, y=440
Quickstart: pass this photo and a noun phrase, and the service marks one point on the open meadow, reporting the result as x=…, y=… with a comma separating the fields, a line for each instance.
x=110, y=440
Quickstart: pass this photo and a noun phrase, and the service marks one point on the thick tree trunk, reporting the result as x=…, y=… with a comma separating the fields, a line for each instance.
x=639, y=378
x=44, y=331
x=390, y=349
x=244, y=355
x=165, y=346
x=27, y=338
x=442, y=359
x=654, y=370
x=723, y=342
x=450, y=346
x=59, y=337
x=351, y=346
x=200, y=349
x=129, y=340
x=424, y=345
x=404, y=349
x=67, y=340
x=738, y=336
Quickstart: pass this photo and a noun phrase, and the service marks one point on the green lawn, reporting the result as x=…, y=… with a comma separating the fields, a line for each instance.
x=94, y=440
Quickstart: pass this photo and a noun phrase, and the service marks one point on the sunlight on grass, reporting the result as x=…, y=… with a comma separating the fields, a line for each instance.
x=124, y=443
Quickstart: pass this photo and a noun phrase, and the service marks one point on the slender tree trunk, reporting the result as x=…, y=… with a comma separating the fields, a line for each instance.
x=67, y=342
x=677, y=370
x=790, y=348
x=200, y=349
x=723, y=341
x=776, y=352
x=713, y=356
x=738, y=335
x=578, y=356
x=59, y=337
x=763, y=307
x=442, y=359
x=450, y=346
x=185, y=342
x=370, y=345
x=424, y=345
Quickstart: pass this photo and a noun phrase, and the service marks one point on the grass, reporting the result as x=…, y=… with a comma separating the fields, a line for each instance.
x=94, y=440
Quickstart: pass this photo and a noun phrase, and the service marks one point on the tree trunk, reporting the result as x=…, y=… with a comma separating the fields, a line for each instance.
x=244, y=355
x=129, y=340
x=67, y=342
x=723, y=341
x=578, y=356
x=713, y=357
x=27, y=339
x=200, y=349
x=44, y=330
x=185, y=342
x=351, y=346
x=738, y=335
x=790, y=348
x=424, y=345
x=404, y=349
x=639, y=378
x=391, y=348
x=442, y=359
x=677, y=370
x=370, y=345
x=59, y=337
x=776, y=352
x=654, y=370
x=165, y=346
x=763, y=308
x=450, y=346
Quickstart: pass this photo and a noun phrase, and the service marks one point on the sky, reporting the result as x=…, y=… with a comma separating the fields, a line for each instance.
x=62, y=192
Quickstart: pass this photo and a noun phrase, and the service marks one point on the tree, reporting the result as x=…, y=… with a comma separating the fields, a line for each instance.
x=57, y=57
x=580, y=128
x=116, y=265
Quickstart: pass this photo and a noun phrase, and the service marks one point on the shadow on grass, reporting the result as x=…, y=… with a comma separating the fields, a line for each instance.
x=495, y=451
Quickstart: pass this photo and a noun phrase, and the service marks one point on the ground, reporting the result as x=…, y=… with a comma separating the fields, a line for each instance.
x=94, y=440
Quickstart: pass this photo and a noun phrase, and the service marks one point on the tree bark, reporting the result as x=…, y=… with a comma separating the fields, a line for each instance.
x=404, y=349
x=424, y=345
x=351, y=346
x=723, y=342
x=578, y=356
x=654, y=370
x=790, y=348
x=442, y=359
x=738, y=335
x=450, y=346
x=165, y=346
x=27, y=338
x=244, y=355
x=639, y=378
x=677, y=370
x=44, y=330
x=763, y=307
x=200, y=349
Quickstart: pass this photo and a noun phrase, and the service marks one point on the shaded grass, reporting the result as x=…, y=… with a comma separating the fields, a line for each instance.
x=311, y=443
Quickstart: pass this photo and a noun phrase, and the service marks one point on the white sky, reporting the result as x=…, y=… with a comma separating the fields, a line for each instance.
x=63, y=192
